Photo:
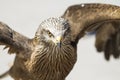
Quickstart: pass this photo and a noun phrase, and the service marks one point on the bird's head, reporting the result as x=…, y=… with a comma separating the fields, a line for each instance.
x=53, y=30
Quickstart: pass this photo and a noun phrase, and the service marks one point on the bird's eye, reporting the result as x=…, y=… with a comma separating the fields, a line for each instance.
x=50, y=34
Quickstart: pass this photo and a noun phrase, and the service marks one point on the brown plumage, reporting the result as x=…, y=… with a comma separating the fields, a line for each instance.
x=51, y=54
x=104, y=19
x=48, y=56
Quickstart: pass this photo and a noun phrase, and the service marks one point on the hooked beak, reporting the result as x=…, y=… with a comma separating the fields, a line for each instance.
x=58, y=41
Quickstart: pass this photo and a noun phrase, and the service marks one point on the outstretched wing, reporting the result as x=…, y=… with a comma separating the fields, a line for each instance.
x=16, y=42
x=102, y=18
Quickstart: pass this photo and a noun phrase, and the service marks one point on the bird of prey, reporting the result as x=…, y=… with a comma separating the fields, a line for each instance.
x=52, y=53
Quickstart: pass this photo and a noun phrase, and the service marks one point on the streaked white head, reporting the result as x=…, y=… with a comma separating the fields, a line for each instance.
x=53, y=30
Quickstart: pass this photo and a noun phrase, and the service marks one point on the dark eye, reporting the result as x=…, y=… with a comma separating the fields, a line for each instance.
x=50, y=34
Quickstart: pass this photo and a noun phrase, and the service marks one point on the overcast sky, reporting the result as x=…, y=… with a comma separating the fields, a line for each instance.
x=25, y=16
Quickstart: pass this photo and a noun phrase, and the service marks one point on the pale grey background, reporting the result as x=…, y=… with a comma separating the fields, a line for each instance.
x=25, y=16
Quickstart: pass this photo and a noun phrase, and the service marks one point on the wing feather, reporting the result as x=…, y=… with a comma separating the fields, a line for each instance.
x=88, y=17
x=102, y=18
x=16, y=42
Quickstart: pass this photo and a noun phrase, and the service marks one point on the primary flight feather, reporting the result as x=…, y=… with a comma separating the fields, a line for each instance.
x=102, y=18
x=51, y=54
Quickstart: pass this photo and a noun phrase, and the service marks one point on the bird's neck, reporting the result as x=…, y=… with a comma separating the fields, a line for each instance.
x=52, y=60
